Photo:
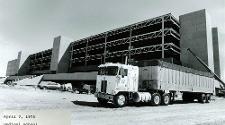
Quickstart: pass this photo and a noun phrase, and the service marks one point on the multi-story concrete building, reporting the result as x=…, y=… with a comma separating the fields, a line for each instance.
x=162, y=37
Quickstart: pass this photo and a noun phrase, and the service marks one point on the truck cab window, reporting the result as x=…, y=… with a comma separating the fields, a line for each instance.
x=101, y=71
x=110, y=70
x=123, y=72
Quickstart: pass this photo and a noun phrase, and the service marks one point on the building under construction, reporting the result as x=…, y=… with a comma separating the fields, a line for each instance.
x=162, y=37
x=155, y=38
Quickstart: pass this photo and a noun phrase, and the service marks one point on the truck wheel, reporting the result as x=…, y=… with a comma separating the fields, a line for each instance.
x=208, y=97
x=202, y=98
x=102, y=102
x=166, y=99
x=156, y=99
x=119, y=100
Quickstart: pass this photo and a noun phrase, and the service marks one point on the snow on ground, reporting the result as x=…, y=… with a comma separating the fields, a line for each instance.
x=85, y=109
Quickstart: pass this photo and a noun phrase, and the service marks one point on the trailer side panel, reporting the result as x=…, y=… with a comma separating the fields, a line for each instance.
x=162, y=78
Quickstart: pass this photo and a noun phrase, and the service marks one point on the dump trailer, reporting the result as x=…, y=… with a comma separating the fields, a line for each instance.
x=157, y=83
x=219, y=91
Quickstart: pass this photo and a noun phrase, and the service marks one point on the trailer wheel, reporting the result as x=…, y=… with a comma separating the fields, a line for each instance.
x=166, y=99
x=102, y=102
x=119, y=100
x=208, y=97
x=202, y=98
x=156, y=99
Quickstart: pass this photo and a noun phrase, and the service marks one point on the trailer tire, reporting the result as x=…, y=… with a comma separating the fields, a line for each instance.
x=166, y=99
x=202, y=98
x=208, y=97
x=119, y=100
x=156, y=99
x=102, y=102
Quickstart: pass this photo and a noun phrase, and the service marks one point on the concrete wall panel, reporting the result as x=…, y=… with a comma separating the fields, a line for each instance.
x=13, y=65
x=60, y=54
x=195, y=29
x=216, y=51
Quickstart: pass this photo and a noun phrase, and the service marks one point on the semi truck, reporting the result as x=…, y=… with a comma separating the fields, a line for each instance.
x=157, y=82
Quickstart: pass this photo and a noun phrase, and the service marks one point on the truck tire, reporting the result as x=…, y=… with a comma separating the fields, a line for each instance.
x=202, y=98
x=102, y=102
x=208, y=97
x=166, y=99
x=119, y=100
x=156, y=99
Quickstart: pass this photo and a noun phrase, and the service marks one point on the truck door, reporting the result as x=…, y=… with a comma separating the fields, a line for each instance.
x=123, y=84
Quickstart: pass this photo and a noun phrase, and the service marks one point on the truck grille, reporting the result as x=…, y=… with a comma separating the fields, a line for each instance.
x=103, y=86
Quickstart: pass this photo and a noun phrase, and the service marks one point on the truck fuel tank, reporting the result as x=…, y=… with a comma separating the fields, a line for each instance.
x=142, y=97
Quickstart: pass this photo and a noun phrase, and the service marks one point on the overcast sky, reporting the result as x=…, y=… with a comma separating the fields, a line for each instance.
x=31, y=25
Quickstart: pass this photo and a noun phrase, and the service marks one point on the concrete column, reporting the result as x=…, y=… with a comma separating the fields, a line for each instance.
x=55, y=54
x=60, y=61
x=216, y=53
x=163, y=41
x=105, y=50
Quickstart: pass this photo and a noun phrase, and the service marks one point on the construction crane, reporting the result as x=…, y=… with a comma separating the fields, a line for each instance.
x=209, y=70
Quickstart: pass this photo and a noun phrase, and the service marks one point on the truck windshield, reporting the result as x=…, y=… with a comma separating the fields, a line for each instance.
x=110, y=70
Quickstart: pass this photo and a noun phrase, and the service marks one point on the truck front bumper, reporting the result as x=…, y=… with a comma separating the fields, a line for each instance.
x=104, y=96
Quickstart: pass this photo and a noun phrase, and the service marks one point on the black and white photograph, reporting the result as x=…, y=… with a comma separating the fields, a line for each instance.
x=112, y=62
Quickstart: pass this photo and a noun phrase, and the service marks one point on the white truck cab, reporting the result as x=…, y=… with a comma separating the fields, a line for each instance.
x=114, y=78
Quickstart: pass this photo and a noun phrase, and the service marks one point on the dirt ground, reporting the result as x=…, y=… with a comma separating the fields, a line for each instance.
x=85, y=109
